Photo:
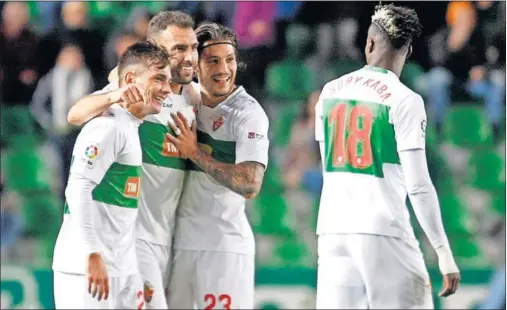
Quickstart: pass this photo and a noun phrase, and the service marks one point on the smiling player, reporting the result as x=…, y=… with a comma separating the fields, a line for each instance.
x=95, y=265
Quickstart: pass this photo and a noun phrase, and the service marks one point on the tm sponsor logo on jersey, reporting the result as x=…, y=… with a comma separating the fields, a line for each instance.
x=132, y=187
x=169, y=149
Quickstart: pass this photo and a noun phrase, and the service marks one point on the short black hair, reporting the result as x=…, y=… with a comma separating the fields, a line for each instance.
x=400, y=24
x=164, y=19
x=143, y=53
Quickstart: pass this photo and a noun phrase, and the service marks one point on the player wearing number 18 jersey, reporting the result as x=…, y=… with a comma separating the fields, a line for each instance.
x=371, y=132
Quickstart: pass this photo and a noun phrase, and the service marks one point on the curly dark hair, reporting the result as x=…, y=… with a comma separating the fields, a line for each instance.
x=400, y=24
x=143, y=53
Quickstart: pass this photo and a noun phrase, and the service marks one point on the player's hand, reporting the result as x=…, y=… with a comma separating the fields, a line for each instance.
x=451, y=282
x=185, y=139
x=127, y=96
x=98, y=281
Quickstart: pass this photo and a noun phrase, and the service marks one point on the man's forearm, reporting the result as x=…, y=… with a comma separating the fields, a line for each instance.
x=89, y=107
x=423, y=196
x=244, y=178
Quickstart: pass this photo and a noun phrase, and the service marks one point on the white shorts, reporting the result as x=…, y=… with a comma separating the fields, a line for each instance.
x=154, y=262
x=71, y=292
x=360, y=271
x=211, y=280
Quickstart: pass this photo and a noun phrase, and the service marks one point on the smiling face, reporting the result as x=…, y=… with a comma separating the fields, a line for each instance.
x=217, y=69
x=153, y=83
x=181, y=43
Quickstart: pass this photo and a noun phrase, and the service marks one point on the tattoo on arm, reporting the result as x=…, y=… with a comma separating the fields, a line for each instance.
x=244, y=178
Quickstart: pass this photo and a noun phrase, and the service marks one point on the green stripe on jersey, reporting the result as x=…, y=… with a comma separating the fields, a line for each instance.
x=358, y=137
x=119, y=187
x=156, y=149
x=223, y=151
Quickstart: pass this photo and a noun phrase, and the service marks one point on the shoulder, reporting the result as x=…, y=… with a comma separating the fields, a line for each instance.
x=250, y=109
x=109, y=87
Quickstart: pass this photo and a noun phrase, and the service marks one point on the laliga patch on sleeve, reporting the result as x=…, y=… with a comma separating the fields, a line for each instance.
x=91, y=153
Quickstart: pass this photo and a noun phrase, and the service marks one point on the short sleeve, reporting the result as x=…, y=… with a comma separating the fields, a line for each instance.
x=96, y=149
x=109, y=87
x=252, y=142
x=409, y=121
x=319, y=114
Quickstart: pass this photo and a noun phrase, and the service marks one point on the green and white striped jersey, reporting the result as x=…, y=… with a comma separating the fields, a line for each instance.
x=210, y=216
x=363, y=119
x=163, y=169
x=107, y=152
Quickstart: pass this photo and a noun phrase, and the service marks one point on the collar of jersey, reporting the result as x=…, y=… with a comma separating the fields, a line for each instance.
x=119, y=109
x=232, y=95
x=380, y=70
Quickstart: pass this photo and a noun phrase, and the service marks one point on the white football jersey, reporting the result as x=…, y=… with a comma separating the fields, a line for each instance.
x=163, y=168
x=107, y=152
x=363, y=119
x=210, y=216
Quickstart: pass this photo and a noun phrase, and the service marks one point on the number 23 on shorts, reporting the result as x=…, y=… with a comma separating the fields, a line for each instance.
x=211, y=300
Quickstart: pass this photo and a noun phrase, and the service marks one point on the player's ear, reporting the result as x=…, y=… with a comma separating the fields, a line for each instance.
x=369, y=45
x=129, y=77
x=409, y=53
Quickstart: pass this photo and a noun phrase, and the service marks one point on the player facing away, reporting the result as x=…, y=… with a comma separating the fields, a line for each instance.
x=95, y=265
x=371, y=131
x=163, y=169
x=214, y=247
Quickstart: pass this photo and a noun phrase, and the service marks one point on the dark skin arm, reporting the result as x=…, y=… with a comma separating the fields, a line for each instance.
x=244, y=178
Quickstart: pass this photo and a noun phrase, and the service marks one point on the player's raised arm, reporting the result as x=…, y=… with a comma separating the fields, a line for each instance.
x=409, y=119
x=246, y=175
x=98, y=102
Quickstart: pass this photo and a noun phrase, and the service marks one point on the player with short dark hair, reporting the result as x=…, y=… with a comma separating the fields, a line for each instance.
x=371, y=132
x=96, y=247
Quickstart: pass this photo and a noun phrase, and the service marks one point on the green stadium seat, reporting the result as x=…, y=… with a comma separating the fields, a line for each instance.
x=499, y=200
x=289, y=80
x=468, y=126
x=411, y=75
x=21, y=169
x=292, y=252
x=272, y=210
x=17, y=127
x=286, y=117
x=346, y=66
x=485, y=169
x=455, y=217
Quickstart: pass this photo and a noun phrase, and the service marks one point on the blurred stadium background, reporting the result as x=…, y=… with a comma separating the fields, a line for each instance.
x=52, y=53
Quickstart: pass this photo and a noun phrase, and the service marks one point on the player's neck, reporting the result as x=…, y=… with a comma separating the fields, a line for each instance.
x=212, y=101
x=387, y=62
x=176, y=88
x=137, y=112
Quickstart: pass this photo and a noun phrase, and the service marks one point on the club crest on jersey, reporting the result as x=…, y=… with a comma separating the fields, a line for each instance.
x=218, y=122
x=148, y=291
